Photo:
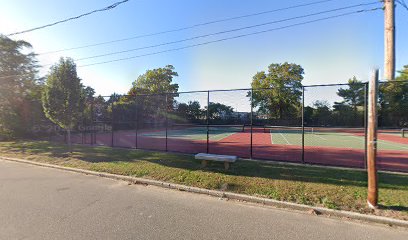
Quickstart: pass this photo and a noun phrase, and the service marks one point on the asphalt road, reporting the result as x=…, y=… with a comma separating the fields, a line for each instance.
x=44, y=203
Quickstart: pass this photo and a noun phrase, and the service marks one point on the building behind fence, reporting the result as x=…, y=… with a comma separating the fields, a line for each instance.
x=320, y=124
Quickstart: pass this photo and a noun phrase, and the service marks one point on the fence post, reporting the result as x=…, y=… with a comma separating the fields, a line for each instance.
x=365, y=123
x=81, y=129
x=252, y=121
x=372, y=196
x=112, y=123
x=93, y=128
x=166, y=119
x=208, y=121
x=136, y=120
x=303, y=124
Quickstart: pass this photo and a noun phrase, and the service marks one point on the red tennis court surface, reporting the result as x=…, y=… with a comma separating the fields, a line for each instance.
x=331, y=149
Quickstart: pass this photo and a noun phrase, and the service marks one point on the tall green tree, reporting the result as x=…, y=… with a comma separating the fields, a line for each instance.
x=63, y=95
x=151, y=108
x=279, y=90
x=219, y=113
x=159, y=80
x=86, y=102
x=19, y=88
x=403, y=74
x=349, y=112
x=190, y=111
x=353, y=95
x=393, y=98
x=321, y=113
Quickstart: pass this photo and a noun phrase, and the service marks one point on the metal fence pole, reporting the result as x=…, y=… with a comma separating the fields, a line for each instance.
x=166, y=119
x=113, y=123
x=83, y=140
x=252, y=115
x=303, y=124
x=208, y=121
x=136, y=120
x=92, y=130
x=365, y=124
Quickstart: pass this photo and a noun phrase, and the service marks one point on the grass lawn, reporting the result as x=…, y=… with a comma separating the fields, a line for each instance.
x=315, y=186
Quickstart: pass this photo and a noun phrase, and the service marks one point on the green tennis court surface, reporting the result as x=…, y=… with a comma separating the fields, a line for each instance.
x=397, y=133
x=329, y=139
x=192, y=134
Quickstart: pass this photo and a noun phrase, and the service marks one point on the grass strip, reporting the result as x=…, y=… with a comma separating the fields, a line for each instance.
x=314, y=186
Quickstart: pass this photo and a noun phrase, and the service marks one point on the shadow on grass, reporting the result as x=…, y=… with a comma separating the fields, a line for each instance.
x=394, y=208
x=187, y=162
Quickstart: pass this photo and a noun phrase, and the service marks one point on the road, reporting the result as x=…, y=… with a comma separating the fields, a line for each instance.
x=44, y=203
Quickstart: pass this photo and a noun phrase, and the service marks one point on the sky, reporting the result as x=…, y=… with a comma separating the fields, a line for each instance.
x=330, y=51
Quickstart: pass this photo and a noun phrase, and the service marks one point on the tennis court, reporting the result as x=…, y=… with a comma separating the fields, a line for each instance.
x=195, y=132
x=335, y=138
x=245, y=123
x=326, y=146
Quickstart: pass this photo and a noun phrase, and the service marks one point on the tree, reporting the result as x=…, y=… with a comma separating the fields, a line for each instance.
x=155, y=81
x=278, y=92
x=321, y=113
x=219, y=112
x=393, y=98
x=19, y=88
x=354, y=95
x=147, y=93
x=62, y=96
x=349, y=112
x=86, y=102
x=101, y=109
x=191, y=111
x=403, y=74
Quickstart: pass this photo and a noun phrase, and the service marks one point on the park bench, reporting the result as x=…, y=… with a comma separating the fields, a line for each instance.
x=205, y=157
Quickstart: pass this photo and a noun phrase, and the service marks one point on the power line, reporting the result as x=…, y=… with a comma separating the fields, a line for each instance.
x=402, y=3
x=188, y=27
x=110, y=7
x=234, y=37
x=222, y=39
x=226, y=31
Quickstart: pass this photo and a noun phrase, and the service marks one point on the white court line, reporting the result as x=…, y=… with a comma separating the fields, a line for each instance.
x=382, y=141
x=390, y=144
x=285, y=138
x=217, y=134
x=270, y=132
x=319, y=136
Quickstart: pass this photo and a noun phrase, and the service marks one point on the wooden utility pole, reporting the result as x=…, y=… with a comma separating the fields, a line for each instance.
x=372, y=197
x=389, y=38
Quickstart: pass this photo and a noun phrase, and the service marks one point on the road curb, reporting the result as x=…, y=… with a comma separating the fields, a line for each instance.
x=228, y=195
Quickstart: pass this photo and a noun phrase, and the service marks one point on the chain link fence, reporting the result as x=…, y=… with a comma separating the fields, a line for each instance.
x=392, y=151
x=319, y=124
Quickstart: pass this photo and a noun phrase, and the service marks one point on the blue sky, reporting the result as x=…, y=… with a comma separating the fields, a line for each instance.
x=330, y=51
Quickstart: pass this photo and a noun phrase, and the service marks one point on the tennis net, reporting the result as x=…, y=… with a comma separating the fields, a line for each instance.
x=311, y=130
x=212, y=128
